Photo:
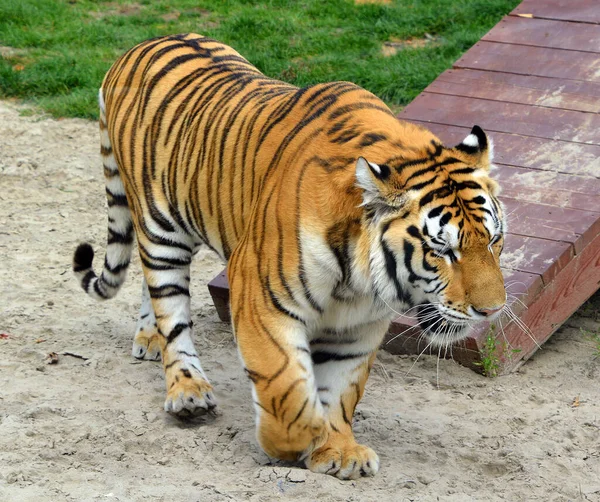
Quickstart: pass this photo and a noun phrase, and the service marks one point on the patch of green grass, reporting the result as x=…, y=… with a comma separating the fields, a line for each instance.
x=490, y=361
x=66, y=46
x=594, y=337
x=493, y=352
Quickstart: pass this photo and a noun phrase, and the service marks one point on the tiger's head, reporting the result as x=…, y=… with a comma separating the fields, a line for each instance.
x=437, y=234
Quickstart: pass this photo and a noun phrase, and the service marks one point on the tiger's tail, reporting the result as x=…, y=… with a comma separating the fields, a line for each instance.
x=120, y=229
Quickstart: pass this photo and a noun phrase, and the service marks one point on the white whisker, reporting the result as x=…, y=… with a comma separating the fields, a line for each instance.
x=417, y=359
x=520, y=324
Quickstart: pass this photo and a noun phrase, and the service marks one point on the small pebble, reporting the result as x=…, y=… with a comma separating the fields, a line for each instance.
x=297, y=476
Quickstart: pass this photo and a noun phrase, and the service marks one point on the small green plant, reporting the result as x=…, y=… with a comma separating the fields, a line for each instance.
x=490, y=362
x=492, y=353
x=593, y=337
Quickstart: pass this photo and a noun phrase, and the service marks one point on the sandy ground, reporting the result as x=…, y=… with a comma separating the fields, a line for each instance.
x=94, y=429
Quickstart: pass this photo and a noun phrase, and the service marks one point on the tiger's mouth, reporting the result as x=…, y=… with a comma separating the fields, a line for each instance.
x=439, y=328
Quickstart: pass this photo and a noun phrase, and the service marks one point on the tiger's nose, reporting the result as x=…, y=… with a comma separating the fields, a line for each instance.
x=488, y=311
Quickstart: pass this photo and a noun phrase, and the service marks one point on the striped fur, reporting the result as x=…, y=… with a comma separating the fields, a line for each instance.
x=332, y=216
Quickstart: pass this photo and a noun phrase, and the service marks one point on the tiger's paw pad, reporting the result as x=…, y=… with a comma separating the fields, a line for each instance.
x=345, y=462
x=148, y=345
x=189, y=396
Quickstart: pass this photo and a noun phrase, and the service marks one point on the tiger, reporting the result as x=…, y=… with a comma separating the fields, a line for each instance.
x=331, y=214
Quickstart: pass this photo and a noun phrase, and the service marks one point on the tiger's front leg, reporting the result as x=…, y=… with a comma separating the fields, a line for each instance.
x=276, y=356
x=342, y=362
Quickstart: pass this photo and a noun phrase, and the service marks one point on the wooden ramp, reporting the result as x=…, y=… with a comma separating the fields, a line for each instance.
x=533, y=84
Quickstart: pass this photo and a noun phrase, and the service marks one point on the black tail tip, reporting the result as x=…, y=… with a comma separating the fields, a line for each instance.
x=83, y=257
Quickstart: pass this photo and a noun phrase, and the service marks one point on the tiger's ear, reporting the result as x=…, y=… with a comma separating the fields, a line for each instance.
x=478, y=146
x=375, y=180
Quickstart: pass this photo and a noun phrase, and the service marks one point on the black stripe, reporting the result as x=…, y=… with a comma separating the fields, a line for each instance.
x=98, y=291
x=120, y=238
x=110, y=284
x=437, y=193
x=254, y=376
x=117, y=269
x=277, y=304
x=154, y=266
x=177, y=330
x=435, y=212
x=467, y=184
x=289, y=390
x=414, y=232
x=337, y=127
x=409, y=163
x=419, y=186
x=116, y=199
x=298, y=415
x=346, y=136
x=168, y=290
x=370, y=139
x=391, y=268
x=409, y=250
x=346, y=419
x=85, y=282
x=342, y=110
x=322, y=357
x=464, y=170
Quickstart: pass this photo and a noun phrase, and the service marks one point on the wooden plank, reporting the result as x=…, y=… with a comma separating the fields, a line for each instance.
x=403, y=338
x=523, y=89
x=550, y=180
x=521, y=288
x=545, y=195
x=550, y=222
x=535, y=256
x=527, y=60
x=548, y=155
x=546, y=33
x=513, y=118
x=219, y=291
x=583, y=11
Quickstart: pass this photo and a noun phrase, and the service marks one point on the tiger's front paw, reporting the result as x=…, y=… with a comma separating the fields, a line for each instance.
x=148, y=344
x=345, y=460
x=188, y=394
x=286, y=440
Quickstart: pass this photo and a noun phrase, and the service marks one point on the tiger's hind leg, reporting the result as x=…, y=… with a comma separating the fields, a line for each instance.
x=342, y=364
x=167, y=276
x=148, y=343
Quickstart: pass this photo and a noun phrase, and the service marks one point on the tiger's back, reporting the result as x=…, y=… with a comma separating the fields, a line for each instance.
x=193, y=117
